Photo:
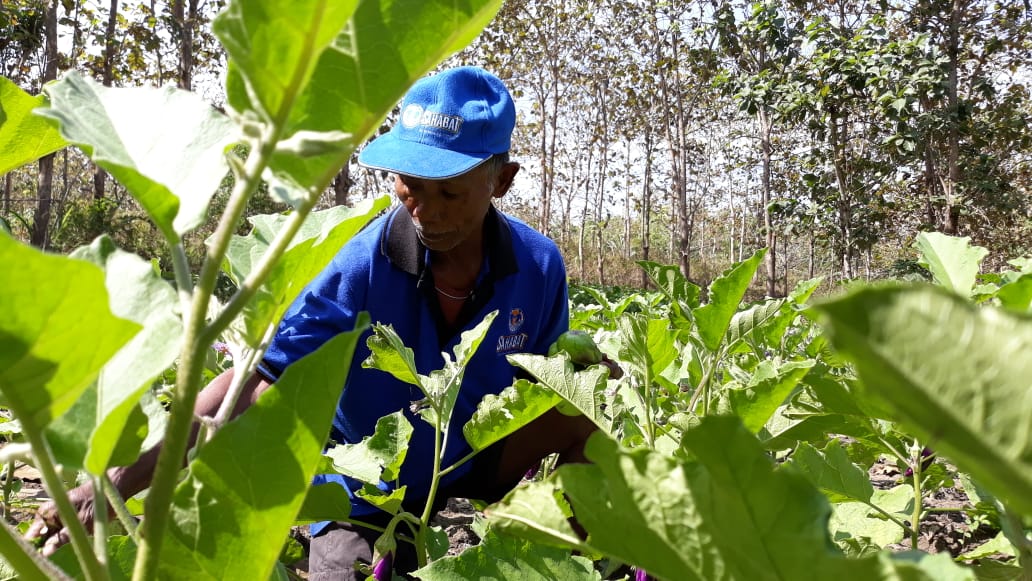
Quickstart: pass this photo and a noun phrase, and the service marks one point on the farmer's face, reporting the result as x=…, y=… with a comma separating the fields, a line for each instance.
x=448, y=212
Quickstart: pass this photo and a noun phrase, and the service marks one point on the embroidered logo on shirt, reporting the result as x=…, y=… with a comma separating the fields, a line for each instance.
x=515, y=341
x=511, y=343
x=515, y=319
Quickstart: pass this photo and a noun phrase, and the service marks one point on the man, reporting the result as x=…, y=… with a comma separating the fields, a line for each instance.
x=432, y=268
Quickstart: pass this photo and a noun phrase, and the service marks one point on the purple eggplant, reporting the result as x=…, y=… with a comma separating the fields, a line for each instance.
x=928, y=457
x=383, y=569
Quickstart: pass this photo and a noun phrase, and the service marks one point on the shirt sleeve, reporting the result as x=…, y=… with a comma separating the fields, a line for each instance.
x=327, y=307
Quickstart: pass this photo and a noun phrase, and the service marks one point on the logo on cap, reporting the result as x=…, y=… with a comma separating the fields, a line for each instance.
x=416, y=116
x=411, y=116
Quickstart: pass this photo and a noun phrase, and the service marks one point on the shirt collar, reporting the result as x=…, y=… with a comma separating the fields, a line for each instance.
x=402, y=247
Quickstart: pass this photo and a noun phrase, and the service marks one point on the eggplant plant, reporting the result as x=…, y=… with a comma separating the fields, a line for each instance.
x=85, y=335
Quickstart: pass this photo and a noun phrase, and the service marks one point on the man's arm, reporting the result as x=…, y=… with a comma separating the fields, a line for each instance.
x=129, y=480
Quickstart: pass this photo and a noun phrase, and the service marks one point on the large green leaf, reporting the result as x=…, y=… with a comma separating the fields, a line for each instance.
x=582, y=389
x=770, y=384
x=860, y=520
x=725, y=295
x=537, y=511
x=746, y=323
x=106, y=426
x=672, y=282
x=166, y=146
x=504, y=557
x=786, y=430
x=274, y=46
x=1017, y=294
x=729, y=515
x=138, y=294
x=51, y=308
x=648, y=345
x=443, y=384
x=953, y=261
x=771, y=319
x=498, y=416
x=363, y=68
x=388, y=353
x=70, y=435
x=328, y=501
x=954, y=374
x=378, y=456
x=24, y=137
x=833, y=472
x=231, y=514
x=121, y=551
x=313, y=247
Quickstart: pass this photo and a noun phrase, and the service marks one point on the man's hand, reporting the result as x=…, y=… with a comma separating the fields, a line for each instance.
x=47, y=526
x=129, y=480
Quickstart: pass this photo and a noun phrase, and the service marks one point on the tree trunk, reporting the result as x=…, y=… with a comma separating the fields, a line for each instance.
x=765, y=196
x=601, y=223
x=625, y=251
x=836, y=133
x=545, y=165
x=812, y=266
x=784, y=270
x=584, y=217
x=731, y=218
x=44, y=193
x=157, y=47
x=931, y=181
x=99, y=175
x=186, y=56
x=741, y=231
x=342, y=185
x=183, y=25
x=646, y=205
x=951, y=224
x=546, y=207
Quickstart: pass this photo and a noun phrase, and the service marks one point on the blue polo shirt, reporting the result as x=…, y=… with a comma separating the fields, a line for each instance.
x=384, y=270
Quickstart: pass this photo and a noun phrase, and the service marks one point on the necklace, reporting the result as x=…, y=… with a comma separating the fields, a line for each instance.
x=453, y=297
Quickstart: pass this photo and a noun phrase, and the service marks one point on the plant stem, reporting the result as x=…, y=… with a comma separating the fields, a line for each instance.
x=159, y=500
x=460, y=462
x=646, y=398
x=8, y=485
x=24, y=558
x=76, y=531
x=184, y=281
x=1014, y=530
x=100, y=522
x=240, y=376
x=889, y=516
x=118, y=505
x=702, y=391
x=170, y=460
x=424, y=520
x=258, y=275
x=915, y=521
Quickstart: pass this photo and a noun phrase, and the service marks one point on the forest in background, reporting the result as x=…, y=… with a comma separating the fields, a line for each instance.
x=686, y=133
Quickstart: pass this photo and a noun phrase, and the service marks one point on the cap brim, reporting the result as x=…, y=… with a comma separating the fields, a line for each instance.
x=415, y=159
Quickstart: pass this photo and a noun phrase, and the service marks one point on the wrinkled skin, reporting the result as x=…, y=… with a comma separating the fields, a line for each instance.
x=47, y=525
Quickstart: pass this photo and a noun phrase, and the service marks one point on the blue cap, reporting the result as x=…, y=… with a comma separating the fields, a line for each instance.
x=450, y=123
